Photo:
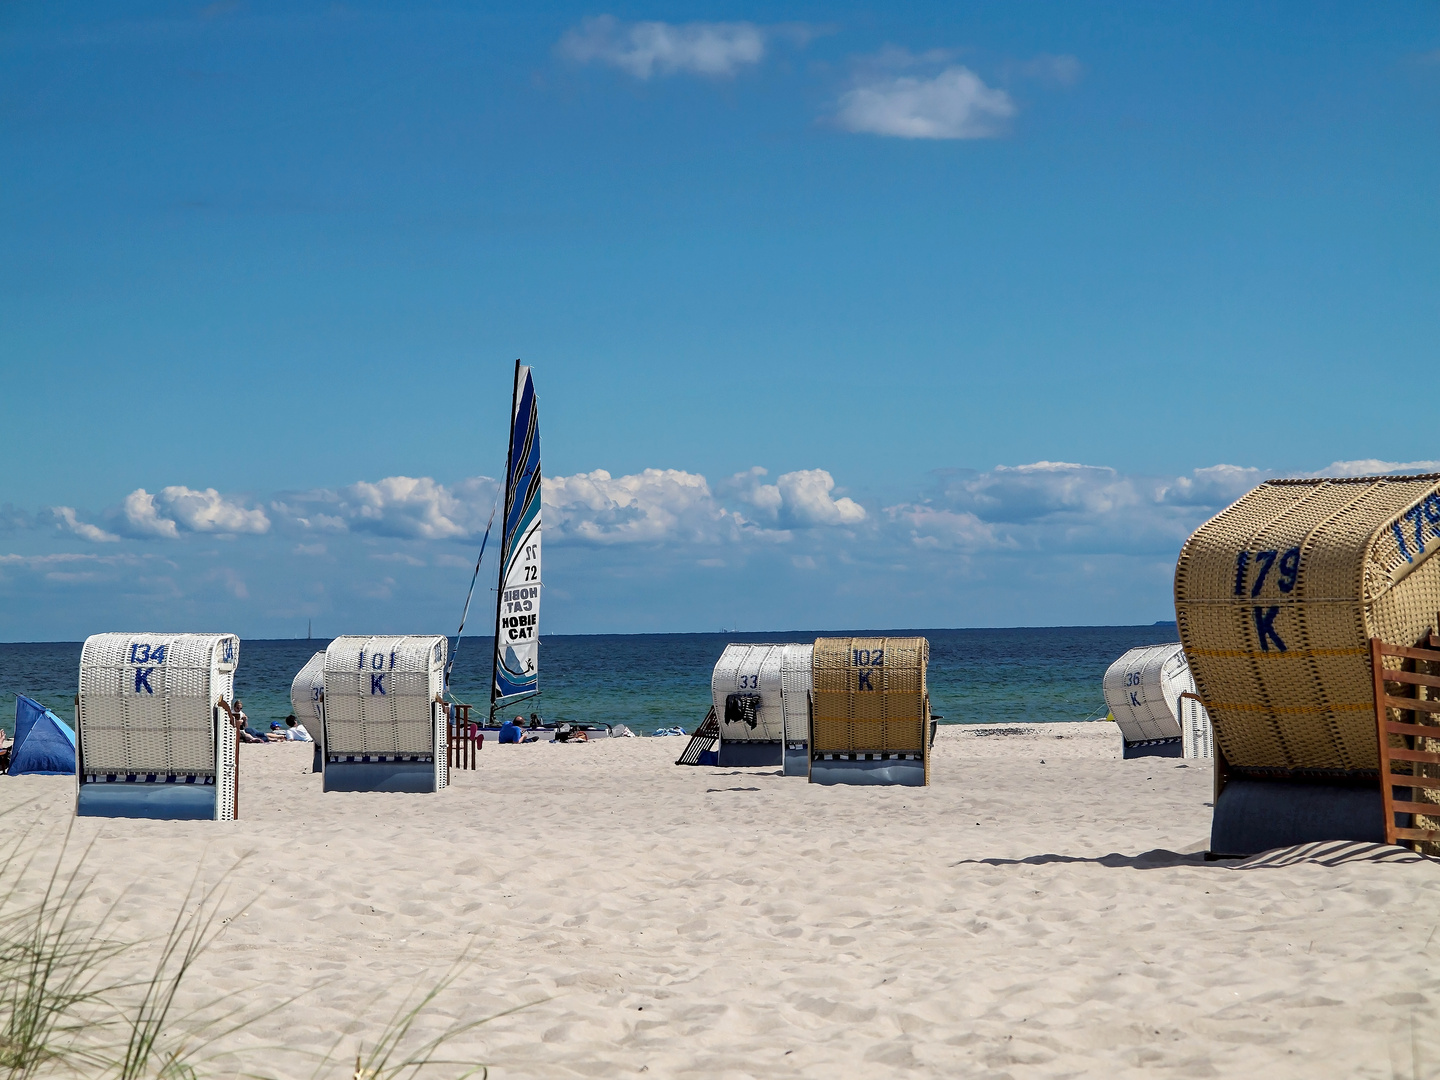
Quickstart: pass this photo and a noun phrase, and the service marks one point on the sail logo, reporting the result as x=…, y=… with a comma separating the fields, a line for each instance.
x=522, y=599
x=520, y=627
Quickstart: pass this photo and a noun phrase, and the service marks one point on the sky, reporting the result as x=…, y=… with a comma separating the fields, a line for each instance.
x=841, y=315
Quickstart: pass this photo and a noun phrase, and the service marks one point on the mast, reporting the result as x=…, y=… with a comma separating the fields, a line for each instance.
x=505, y=541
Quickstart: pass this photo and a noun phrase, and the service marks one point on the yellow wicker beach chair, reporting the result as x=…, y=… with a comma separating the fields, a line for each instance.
x=870, y=718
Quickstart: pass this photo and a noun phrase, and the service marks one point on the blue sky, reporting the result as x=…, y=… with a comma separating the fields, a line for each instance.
x=1004, y=299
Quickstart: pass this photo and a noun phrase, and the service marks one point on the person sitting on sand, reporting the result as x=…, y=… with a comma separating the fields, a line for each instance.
x=295, y=730
x=510, y=730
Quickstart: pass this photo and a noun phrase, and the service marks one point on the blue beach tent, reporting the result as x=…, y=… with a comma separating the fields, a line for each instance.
x=43, y=742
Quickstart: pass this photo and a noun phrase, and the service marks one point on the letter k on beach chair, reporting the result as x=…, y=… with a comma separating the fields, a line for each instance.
x=385, y=721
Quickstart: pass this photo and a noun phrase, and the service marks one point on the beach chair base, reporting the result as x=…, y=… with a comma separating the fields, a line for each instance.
x=1155, y=748
x=904, y=772
x=164, y=802
x=400, y=776
x=317, y=764
x=1252, y=816
x=747, y=755
x=797, y=759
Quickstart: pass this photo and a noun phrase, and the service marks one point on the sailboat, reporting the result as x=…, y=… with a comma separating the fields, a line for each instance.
x=515, y=674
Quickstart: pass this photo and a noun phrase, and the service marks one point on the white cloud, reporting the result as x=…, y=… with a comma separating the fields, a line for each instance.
x=66, y=518
x=797, y=499
x=210, y=512
x=172, y=509
x=954, y=104
x=644, y=49
x=414, y=508
x=646, y=507
x=144, y=517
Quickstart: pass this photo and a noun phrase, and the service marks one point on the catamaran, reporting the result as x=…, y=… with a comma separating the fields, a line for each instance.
x=515, y=673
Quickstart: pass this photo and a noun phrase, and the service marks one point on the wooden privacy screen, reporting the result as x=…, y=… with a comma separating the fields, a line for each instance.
x=1277, y=598
x=1408, y=729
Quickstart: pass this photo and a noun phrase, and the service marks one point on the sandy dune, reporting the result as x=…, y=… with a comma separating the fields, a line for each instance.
x=1041, y=910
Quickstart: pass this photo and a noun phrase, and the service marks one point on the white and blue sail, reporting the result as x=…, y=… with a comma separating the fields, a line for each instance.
x=517, y=615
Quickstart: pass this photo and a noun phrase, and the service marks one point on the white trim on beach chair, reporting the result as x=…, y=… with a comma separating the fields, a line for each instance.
x=154, y=738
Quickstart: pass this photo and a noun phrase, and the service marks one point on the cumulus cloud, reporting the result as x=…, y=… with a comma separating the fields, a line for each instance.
x=66, y=518
x=644, y=49
x=953, y=104
x=796, y=500
x=646, y=507
x=415, y=508
x=175, y=509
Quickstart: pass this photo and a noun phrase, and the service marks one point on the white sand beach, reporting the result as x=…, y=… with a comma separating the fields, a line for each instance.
x=1042, y=910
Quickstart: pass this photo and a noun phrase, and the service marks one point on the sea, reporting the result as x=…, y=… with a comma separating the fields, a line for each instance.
x=650, y=682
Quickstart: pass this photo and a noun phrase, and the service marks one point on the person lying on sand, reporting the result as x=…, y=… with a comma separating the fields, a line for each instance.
x=565, y=733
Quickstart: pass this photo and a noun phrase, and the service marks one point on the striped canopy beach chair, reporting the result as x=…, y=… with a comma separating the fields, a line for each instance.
x=385, y=724
x=155, y=722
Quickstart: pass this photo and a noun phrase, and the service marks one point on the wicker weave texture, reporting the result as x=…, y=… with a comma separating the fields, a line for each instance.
x=779, y=675
x=870, y=695
x=147, y=701
x=1277, y=597
x=380, y=693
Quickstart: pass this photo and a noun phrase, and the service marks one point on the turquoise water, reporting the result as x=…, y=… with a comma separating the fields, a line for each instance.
x=649, y=681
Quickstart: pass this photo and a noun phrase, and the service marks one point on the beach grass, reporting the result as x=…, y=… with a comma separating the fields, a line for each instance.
x=66, y=1009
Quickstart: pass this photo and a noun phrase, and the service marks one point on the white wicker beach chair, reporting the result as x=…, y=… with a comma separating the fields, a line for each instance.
x=1151, y=694
x=385, y=723
x=153, y=726
x=761, y=699
x=307, y=702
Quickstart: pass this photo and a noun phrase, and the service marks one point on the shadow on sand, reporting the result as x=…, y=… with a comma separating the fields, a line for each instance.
x=1325, y=853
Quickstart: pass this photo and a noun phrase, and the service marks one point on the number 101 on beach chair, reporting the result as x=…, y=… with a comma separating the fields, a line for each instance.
x=386, y=726
x=156, y=727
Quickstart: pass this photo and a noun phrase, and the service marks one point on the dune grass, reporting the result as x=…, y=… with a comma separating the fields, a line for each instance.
x=64, y=1013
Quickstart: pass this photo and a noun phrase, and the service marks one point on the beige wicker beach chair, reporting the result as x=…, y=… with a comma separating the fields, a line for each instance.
x=1277, y=598
x=870, y=718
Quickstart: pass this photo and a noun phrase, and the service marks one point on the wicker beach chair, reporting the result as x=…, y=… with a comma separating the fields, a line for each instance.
x=1151, y=694
x=759, y=694
x=870, y=719
x=307, y=702
x=1277, y=598
x=155, y=734
x=385, y=723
